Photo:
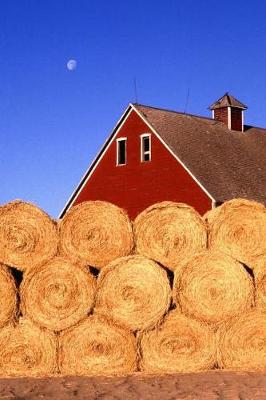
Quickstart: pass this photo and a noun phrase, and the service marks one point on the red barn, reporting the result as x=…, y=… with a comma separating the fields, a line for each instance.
x=155, y=154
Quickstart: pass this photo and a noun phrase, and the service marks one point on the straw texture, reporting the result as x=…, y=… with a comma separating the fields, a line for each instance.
x=168, y=232
x=26, y=350
x=237, y=228
x=260, y=282
x=242, y=343
x=134, y=292
x=8, y=298
x=57, y=294
x=180, y=344
x=94, y=347
x=28, y=236
x=96, y=232
x=212, y=287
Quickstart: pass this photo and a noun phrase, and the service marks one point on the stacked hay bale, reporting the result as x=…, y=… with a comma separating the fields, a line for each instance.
x=28, y=237
x=169, y=232
x=96, y=233
x=213, y=287
x=179, y=344
x=96, y=346
x=238, y=228
x=174, y=292
x=57, y=292
x=134, y=292
x=27, y=350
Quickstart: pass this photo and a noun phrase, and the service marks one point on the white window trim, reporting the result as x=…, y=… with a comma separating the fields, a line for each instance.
x=142, y=152
x=117, y=147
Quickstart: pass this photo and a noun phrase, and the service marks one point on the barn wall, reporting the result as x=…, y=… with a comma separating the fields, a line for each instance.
x=137, y=185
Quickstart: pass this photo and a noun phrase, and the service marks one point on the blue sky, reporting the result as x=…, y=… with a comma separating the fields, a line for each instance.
x=53, y=121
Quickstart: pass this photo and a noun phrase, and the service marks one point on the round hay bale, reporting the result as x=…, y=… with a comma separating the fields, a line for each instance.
x=134, y=292
x=57, y=294
x=237, y=228
x=213, y=287
x=96, y=232
x=94, y=347
x=28, y=236
x=260, y=282
x=180, y=344
x=26, y=350
x=168, y=232
x=242, y=342
x=8, y=297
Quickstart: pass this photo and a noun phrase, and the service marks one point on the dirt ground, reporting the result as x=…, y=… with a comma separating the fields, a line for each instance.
x=212, y=385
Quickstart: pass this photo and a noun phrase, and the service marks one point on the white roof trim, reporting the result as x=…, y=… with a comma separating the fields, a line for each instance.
x=96, y=160
x=173, y=154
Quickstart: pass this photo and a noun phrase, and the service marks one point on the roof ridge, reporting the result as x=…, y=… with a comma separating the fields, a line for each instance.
x=247, y=126
x=173, y=111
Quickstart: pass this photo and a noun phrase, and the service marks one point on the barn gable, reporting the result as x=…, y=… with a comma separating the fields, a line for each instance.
x=138, y=184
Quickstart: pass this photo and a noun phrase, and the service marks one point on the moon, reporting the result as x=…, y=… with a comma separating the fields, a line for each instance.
x=71, y=65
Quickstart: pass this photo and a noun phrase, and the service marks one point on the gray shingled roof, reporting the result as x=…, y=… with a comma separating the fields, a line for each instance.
x=227, y=163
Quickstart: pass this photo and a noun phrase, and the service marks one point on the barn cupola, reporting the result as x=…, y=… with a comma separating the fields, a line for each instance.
x=230, y=111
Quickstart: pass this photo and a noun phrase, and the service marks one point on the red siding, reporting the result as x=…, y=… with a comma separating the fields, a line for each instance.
x=137, y=185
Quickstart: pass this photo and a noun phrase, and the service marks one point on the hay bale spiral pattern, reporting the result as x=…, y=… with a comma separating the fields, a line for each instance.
x=212, y=287
x=96, y=232
x=237, y=228
x=57, y=294
x=242, y=343
x=26, y=350
x=28, y=236
x=180, y=344
x=95, y=347
x=134, y=292
x=168, y=232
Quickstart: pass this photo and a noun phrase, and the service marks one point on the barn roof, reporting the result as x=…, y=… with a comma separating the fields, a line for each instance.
x=227, y=163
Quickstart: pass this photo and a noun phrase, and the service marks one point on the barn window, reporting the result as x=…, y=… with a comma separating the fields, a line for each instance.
x=121, y=149
x=145, y=147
